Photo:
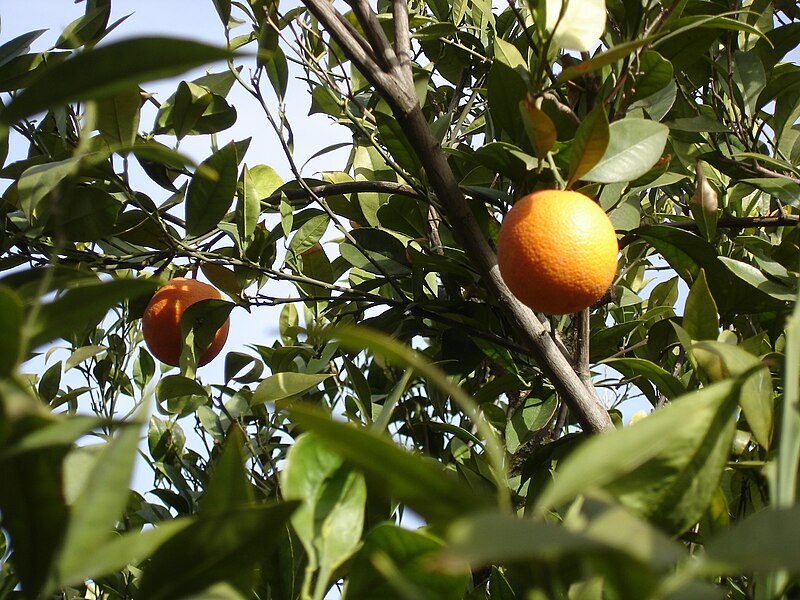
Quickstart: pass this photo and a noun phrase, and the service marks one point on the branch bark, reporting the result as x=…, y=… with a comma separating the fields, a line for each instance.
x=392, y=84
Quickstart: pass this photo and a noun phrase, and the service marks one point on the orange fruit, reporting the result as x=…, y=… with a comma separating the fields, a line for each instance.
x=161, y=323
x=557, y=251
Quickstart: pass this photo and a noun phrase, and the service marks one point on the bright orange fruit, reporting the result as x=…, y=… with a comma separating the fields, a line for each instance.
x=161, y=323
x=557, y=251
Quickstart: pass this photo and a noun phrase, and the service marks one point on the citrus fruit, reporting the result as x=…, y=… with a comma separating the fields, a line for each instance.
x=557, y=251
x=161, y=323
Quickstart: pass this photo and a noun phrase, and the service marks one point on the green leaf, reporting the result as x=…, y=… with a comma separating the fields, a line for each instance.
x=423, y=485
x=249, y=205
x=700, y=318
x=32, y=501
x=81, y=214
x=656, y=74
x=720, y=361
x=589, y=145
x=38, y=181
x=495, y=538
x=211, y=191
x=666, y=467
x=215, y=547
x=505, y=90
x=228, y=484
x=766, y=542
x=666, y=382
x=282, y=386
x=757, y=279
x=600, y=60
x=634, y=146
x=330, y=518
x=11, y=320
x=687, y=253
x=394, y=564
x=539, y=127
x=528, y=419
x=394, y=351
x=79, y=307
x=50, y=383
x=109, y=69
x=190, y=102
x=508, y=54
x=182, y=394
x=18, y=46
x=81, y=354
x=118, y=116
x=396, y=141
x=119, y=552
x=309, y=233
x=749, y=77
x=102, y=500
x=85, y=29
x=200, y=324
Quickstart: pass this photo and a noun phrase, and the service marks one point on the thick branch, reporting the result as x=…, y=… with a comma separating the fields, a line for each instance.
x=402, y=39
x=377, y=38
x=591, y=415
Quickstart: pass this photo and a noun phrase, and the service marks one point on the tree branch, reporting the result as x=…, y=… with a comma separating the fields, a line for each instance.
x=591, y=415
x=402, y=39
x=380, y=44
x=724, y=222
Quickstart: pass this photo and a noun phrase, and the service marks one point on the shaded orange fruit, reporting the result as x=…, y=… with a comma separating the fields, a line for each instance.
x=161, y=323
x=557, y=251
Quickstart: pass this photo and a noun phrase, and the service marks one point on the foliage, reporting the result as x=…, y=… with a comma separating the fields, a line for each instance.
x=405, y=377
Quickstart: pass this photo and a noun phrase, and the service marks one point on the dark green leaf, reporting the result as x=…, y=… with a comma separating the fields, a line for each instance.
x=249, y=205
x=766, y=542
x=211, y=191
x=757, y=279
x=228, y=484
x=11, y=319
x=394, y=562
x=82, y=214
x=215, y=547
x=600, y=60
x=700, y=318
x=109, y=69
x=118, y=117
x=81, y=306
x=120, y=551
x=656, y=73
x=19, y=45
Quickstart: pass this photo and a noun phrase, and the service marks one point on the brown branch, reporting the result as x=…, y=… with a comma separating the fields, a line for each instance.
x=402, y=39
x=757, y=169
x=347, y=187
x=375, y=35
x=724, y=222
x=591, y=414
x=582, y=348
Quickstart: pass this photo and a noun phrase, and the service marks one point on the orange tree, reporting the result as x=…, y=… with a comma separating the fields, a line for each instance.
x=406, y=377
